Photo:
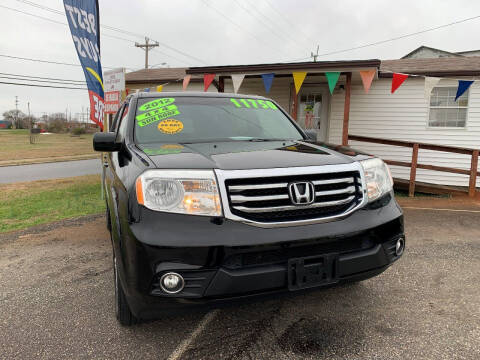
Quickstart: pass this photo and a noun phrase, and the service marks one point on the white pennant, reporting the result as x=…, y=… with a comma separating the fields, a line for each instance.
x=430, y=83
x=237, y=81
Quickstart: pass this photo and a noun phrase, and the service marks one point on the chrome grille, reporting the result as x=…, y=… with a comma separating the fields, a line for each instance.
x=266, y=199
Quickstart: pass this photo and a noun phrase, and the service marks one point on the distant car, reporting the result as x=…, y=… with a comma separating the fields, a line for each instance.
x=214, y=197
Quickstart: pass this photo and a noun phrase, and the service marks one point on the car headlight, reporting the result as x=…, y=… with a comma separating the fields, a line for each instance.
x=193, y=192
x=377, y=177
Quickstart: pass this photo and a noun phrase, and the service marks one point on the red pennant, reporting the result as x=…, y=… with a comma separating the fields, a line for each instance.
x=207, y=80
x=397, y=80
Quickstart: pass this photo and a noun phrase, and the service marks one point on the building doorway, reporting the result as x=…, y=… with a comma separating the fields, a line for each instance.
x=313, y=110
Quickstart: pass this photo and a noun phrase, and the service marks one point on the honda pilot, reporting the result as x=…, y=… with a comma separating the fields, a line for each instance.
x=213, y=197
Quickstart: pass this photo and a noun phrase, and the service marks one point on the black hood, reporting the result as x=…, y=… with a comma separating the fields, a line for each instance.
x=241, y=155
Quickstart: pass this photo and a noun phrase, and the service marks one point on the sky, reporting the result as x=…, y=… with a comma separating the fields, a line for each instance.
x=218, y=32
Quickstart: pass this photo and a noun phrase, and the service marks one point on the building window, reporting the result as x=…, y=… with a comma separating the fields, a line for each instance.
x=445, y=111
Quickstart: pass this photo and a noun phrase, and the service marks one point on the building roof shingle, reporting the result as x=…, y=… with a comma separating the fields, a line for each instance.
x=155, y=75
x=445, y=66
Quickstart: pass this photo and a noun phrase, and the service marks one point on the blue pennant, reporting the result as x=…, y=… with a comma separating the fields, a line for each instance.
x=267, y=81
x=463, y=85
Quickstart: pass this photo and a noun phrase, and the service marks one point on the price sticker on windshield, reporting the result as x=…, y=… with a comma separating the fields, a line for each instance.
x=254, y=104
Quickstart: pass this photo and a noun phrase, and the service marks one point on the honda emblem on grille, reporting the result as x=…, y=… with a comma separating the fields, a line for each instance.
x=301, y=193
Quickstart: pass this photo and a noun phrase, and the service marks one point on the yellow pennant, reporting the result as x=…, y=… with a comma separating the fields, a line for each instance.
x=159, y=88
x=298, y=77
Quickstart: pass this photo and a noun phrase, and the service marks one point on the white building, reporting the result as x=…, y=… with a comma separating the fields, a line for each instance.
x=405, y=115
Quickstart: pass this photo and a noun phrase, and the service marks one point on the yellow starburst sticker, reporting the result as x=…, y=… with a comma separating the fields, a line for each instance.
x=170, y=126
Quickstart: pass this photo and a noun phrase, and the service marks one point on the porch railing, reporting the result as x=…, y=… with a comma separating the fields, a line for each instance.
x=414, y=165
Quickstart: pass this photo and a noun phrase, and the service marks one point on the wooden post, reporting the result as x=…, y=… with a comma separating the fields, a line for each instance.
x=346, y=109
x=413, y=171
x=221, y=84
x=473, y=174
x=294, y=102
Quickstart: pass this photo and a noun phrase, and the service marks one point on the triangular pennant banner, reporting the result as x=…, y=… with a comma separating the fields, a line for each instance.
x=430, y=83
x=298, y=78
x=237, y=80
x=397, y=80
x=159, y=88
x=463, y=85
x=367, y=78
x=207, y=80
x=267, y=81
x=332, y=78
x=186, y=80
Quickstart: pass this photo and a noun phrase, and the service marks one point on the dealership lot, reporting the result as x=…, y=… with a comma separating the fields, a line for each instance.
x=57, y=302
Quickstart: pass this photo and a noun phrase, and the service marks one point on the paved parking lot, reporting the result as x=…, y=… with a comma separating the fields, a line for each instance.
x=56, y=301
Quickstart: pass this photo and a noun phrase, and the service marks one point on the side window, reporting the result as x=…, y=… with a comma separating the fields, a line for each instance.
x=123, y=122
x=113, y=125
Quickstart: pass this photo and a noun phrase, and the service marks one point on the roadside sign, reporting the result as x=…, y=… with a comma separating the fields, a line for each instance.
x=112, y=102
x=83, y=20
x=114, y=80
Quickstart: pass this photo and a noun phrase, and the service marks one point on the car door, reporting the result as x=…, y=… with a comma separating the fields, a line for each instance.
x=111, y=167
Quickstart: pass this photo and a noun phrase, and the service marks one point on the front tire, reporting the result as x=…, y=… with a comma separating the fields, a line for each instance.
x=122, y=310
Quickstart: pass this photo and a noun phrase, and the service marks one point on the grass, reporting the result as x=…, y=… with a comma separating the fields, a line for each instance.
x=23, y=205
x=15, y=145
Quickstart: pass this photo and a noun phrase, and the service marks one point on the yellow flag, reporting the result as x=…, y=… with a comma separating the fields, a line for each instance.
x=159, y=88
x=298, y=77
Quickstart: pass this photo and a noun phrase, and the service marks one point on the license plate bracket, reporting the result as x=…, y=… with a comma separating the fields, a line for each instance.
x=311, y=271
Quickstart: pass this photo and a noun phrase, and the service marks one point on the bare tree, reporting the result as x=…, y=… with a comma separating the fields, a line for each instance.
x=15, y=116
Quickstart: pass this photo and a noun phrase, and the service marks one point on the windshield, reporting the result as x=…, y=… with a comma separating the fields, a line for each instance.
x=204, y=119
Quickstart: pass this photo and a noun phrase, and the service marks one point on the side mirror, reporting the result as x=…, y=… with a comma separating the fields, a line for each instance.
x=311, y=134
x=105, y=141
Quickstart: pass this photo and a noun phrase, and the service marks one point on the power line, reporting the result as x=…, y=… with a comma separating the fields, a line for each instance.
x=291, y=24
x=393, y=39
x=262, y=22
x=102, y=34
x=41, y=77
x=49, y=61
x=46, y=8
x=402, y=36
x=39, y=60
x=38, y=80
x=225, y=17
x=45, y=86
x=59, y=22
x=275, y=24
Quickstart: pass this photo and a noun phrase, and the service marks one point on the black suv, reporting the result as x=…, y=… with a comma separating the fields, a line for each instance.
x=214, y=197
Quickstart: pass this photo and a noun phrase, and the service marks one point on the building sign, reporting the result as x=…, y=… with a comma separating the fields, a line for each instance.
x=112, y=102
x=114, y=80
x=83, y=20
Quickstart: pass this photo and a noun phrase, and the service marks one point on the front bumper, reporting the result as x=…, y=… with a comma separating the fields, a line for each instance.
x=228, y=260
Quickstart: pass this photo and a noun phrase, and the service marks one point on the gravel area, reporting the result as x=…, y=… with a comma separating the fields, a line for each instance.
x=56, y=300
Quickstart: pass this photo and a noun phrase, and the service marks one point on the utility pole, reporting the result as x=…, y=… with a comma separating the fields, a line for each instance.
x=15, y=125
x=315, y=56
x=147, y=47
x=30, y=122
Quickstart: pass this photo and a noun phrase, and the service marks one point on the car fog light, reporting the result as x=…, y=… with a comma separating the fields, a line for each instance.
x=399, y=246
x=172, y=283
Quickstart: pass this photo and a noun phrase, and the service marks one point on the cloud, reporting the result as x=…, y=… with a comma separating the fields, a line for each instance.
x=195, y=28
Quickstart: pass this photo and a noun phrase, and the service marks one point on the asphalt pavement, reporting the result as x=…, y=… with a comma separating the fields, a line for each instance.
x=56, y=301
x=45, y=171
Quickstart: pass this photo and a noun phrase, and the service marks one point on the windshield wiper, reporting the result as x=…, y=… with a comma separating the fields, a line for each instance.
x=270, y=139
